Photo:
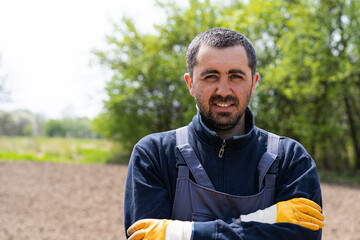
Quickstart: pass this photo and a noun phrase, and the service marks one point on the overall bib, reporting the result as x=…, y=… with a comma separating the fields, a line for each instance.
x=201, y=202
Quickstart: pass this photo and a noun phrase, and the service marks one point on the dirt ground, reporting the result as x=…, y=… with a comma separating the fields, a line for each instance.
x=41, y=201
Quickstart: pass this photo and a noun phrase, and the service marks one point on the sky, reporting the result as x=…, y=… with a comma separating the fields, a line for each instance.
x=45, y=52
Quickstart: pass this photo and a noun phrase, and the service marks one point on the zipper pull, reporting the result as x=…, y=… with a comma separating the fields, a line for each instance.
x=222, y=149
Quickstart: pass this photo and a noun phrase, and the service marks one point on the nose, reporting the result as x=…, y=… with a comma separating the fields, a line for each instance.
x=223, y=88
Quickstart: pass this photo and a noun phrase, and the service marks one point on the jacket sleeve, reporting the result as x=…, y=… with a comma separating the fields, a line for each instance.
x=251, y=231
x=147, y=193
x=297, y=177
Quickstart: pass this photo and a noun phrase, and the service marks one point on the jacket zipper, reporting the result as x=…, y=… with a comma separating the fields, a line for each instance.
x=222, y=149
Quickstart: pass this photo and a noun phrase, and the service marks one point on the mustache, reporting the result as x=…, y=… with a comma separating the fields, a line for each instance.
x=219, y=98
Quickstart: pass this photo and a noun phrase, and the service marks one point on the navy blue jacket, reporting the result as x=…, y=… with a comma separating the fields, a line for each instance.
x=151, y=180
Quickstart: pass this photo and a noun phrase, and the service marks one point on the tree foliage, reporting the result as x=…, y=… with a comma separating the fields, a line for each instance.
x=69, y=128
x=20, y=123
x=26, y=123
x=147, y=92
x=308, y=52
x=310, y=82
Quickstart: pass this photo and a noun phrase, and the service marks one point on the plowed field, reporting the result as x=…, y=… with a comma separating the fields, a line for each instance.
x=67, y=202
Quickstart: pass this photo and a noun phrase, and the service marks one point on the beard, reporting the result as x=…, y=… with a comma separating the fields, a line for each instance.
x=222, y=121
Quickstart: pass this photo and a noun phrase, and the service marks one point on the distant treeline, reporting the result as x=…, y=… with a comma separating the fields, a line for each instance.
x=26, y=123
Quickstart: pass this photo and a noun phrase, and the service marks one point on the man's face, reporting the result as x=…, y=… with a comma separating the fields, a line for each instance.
x=222, y=85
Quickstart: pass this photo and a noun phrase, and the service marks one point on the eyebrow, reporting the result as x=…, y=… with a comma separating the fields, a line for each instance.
x=208, y=71
x=236, y=71
x=232, y=71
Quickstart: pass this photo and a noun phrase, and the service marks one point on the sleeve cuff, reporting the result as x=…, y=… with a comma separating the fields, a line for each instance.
x=179, y=230
x=204, y=230
x=268, y=215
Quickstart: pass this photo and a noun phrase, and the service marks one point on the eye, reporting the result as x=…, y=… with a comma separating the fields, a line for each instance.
x=211, y=77
x=236, y=77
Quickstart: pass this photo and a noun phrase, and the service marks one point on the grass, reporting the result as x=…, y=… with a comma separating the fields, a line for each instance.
x=64, y=150
x=83, y=151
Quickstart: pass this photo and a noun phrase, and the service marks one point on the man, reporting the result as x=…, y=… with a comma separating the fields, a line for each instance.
x=221, y=177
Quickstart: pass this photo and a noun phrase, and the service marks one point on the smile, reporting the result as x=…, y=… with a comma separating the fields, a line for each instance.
x=223, y=105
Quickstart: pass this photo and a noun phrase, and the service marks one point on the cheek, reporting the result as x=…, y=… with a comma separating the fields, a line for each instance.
x=200, y=93
x=244, y=91
x=200, y=98
x=204, y=90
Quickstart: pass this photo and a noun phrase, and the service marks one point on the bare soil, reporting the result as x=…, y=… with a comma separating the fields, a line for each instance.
x=65, y=201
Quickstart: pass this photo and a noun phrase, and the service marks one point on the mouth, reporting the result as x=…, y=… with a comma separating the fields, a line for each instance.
x=223, y=105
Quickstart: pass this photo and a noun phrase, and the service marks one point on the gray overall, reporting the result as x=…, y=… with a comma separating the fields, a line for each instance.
x=201, y=202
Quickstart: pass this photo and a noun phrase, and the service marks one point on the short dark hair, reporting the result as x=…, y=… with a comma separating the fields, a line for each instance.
x=220, y=38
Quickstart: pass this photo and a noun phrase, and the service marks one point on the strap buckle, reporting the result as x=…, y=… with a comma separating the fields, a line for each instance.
x=179, y=158
x=274, y=167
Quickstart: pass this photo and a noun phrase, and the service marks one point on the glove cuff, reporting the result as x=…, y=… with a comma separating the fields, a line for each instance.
x=268, y=215
x=179, y=230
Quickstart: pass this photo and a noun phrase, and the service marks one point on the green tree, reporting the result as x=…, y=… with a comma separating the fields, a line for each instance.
x=147, y=92
x=78, y=128
x=17, y=123
x=54, y=128
x=69, y=128
x=308, y=53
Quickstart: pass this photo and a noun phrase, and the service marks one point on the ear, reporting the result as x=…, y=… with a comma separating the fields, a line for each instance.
x=189, y=83
x=255, y=80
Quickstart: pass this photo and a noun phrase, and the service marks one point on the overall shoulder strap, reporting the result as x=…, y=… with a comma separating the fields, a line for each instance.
x=273, y=143
x=268, y=165
x=273, y=148
x=182, y=136
x=186, y=157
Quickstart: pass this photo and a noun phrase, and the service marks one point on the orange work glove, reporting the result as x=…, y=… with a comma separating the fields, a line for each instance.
x=300, y=211
x=149, y=229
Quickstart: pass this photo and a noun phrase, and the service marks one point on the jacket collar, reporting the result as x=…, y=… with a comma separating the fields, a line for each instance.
x=203, y=130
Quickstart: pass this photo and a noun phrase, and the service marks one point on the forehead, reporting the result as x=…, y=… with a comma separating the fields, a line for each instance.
x=222, y=58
